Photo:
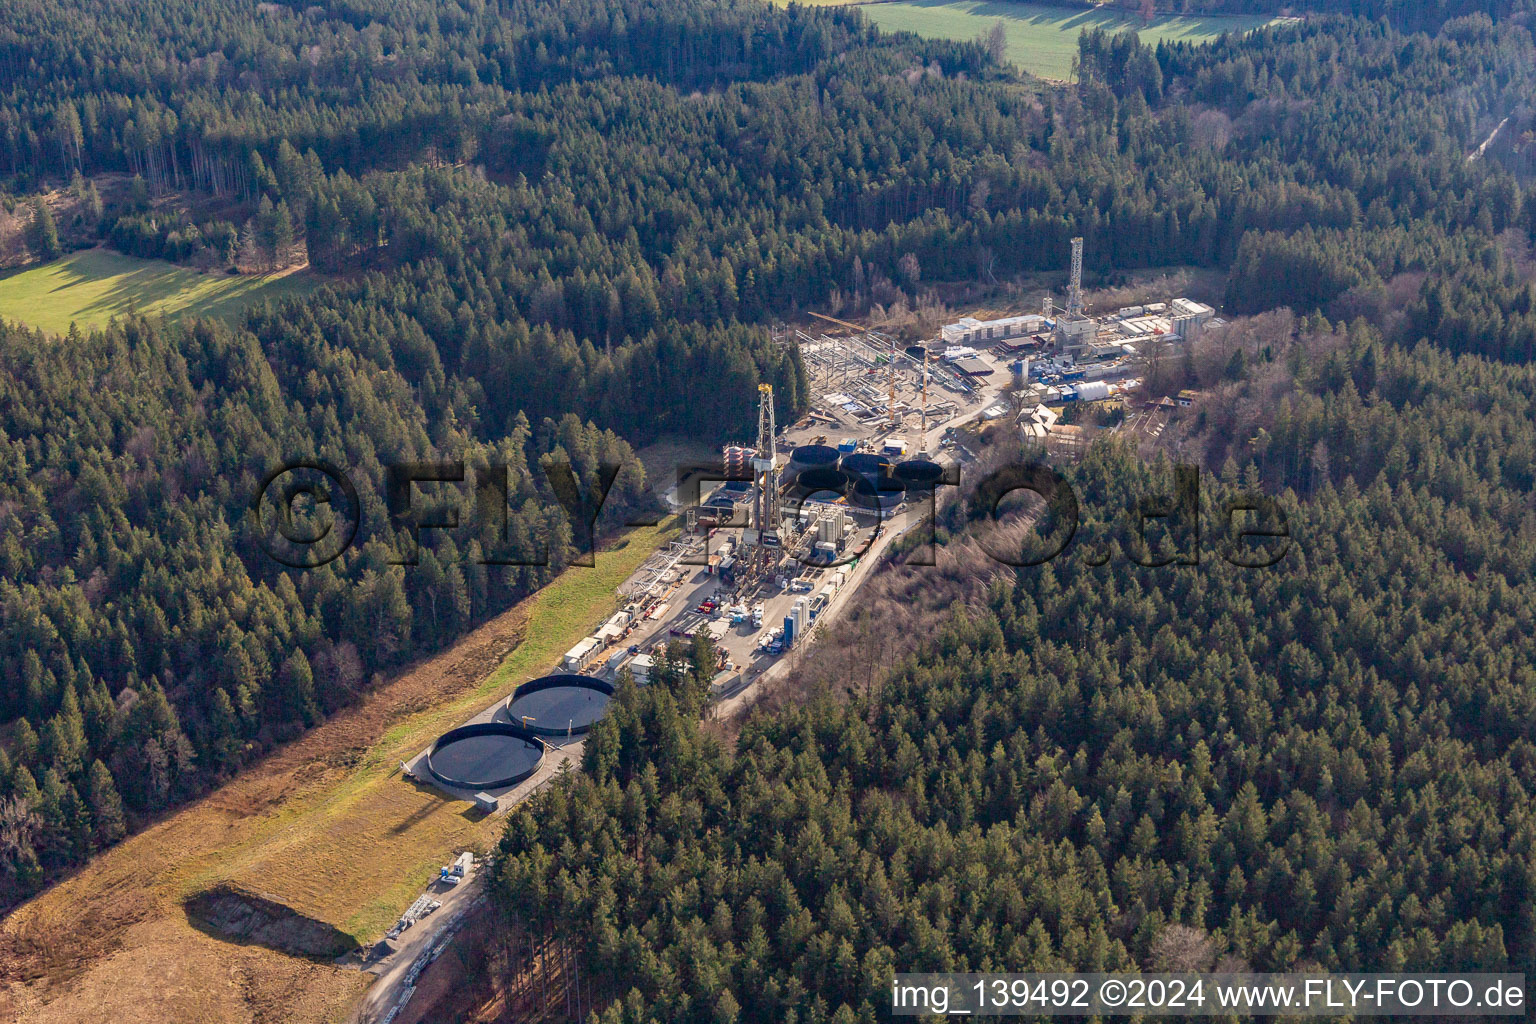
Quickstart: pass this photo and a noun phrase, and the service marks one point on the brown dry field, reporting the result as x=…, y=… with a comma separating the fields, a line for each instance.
x=325, y=825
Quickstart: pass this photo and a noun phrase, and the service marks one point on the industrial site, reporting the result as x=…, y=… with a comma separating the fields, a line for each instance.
x=775, y=537
x=779, y=537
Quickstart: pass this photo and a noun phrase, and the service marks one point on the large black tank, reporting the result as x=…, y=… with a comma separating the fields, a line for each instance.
x=818, y=484
x=806, y=457
x=487, y=755
x=563, y=705
x=918, y=474
x=868, y=465
x=874, y=487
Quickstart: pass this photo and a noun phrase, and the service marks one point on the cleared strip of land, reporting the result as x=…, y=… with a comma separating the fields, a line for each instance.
x=325, y=826
x=1042, y=39
x=91, y=286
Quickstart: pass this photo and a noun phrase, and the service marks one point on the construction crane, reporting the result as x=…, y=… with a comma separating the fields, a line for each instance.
x=891, y=396
x=840, y=323
x=765, y=476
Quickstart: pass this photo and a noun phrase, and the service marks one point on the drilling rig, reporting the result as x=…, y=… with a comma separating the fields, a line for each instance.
x=1074, y=331
x=1075, y=284
x=765, y=478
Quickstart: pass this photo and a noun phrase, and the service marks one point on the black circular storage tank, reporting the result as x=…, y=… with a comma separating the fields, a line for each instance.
x=918, y=474
x=487, y=755
x=874, y=487
x=561, y=705
x=808, y=457
x=820, y=483
x=867, y=465
x=881, y=497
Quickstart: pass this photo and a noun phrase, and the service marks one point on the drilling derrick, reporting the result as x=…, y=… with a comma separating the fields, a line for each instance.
x=1074, y=331
x=923, y=438
x=1075, y=287
x=765, y=477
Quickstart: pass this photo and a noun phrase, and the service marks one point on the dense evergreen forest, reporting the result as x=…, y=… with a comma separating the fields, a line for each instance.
x=561, y=228
x=1326, y=763
x=1323, y=764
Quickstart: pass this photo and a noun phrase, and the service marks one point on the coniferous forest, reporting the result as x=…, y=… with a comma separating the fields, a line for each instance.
x=1322, y=765
x=564, y=229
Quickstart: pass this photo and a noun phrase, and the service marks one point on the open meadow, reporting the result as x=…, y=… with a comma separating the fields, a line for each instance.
x=91, y=286
x=1042, y=39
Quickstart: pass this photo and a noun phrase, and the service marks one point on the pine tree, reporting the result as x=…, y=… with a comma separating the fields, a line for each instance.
x=43, y=233
x=296, y=691
x=250, y=247
x=138, y=195
x=106, y=806
x=64, y=744
x=227, y=742
x=25, y=743
x=282, y=234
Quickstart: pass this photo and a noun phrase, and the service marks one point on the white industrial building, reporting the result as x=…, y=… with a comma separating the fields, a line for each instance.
x=970, y=331
x=1189, y=318
x=579, y=656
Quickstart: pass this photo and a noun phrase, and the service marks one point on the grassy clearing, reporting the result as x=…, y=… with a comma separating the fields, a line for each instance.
x=1042, y=39
x=392, y=835
x=91, y=286
x=325, y=825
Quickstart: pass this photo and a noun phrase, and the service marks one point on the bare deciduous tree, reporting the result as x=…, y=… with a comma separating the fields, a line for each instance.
x=1181, y=948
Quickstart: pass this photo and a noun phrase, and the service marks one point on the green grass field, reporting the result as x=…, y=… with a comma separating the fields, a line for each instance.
x=91, y=286
x=1042, y=39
